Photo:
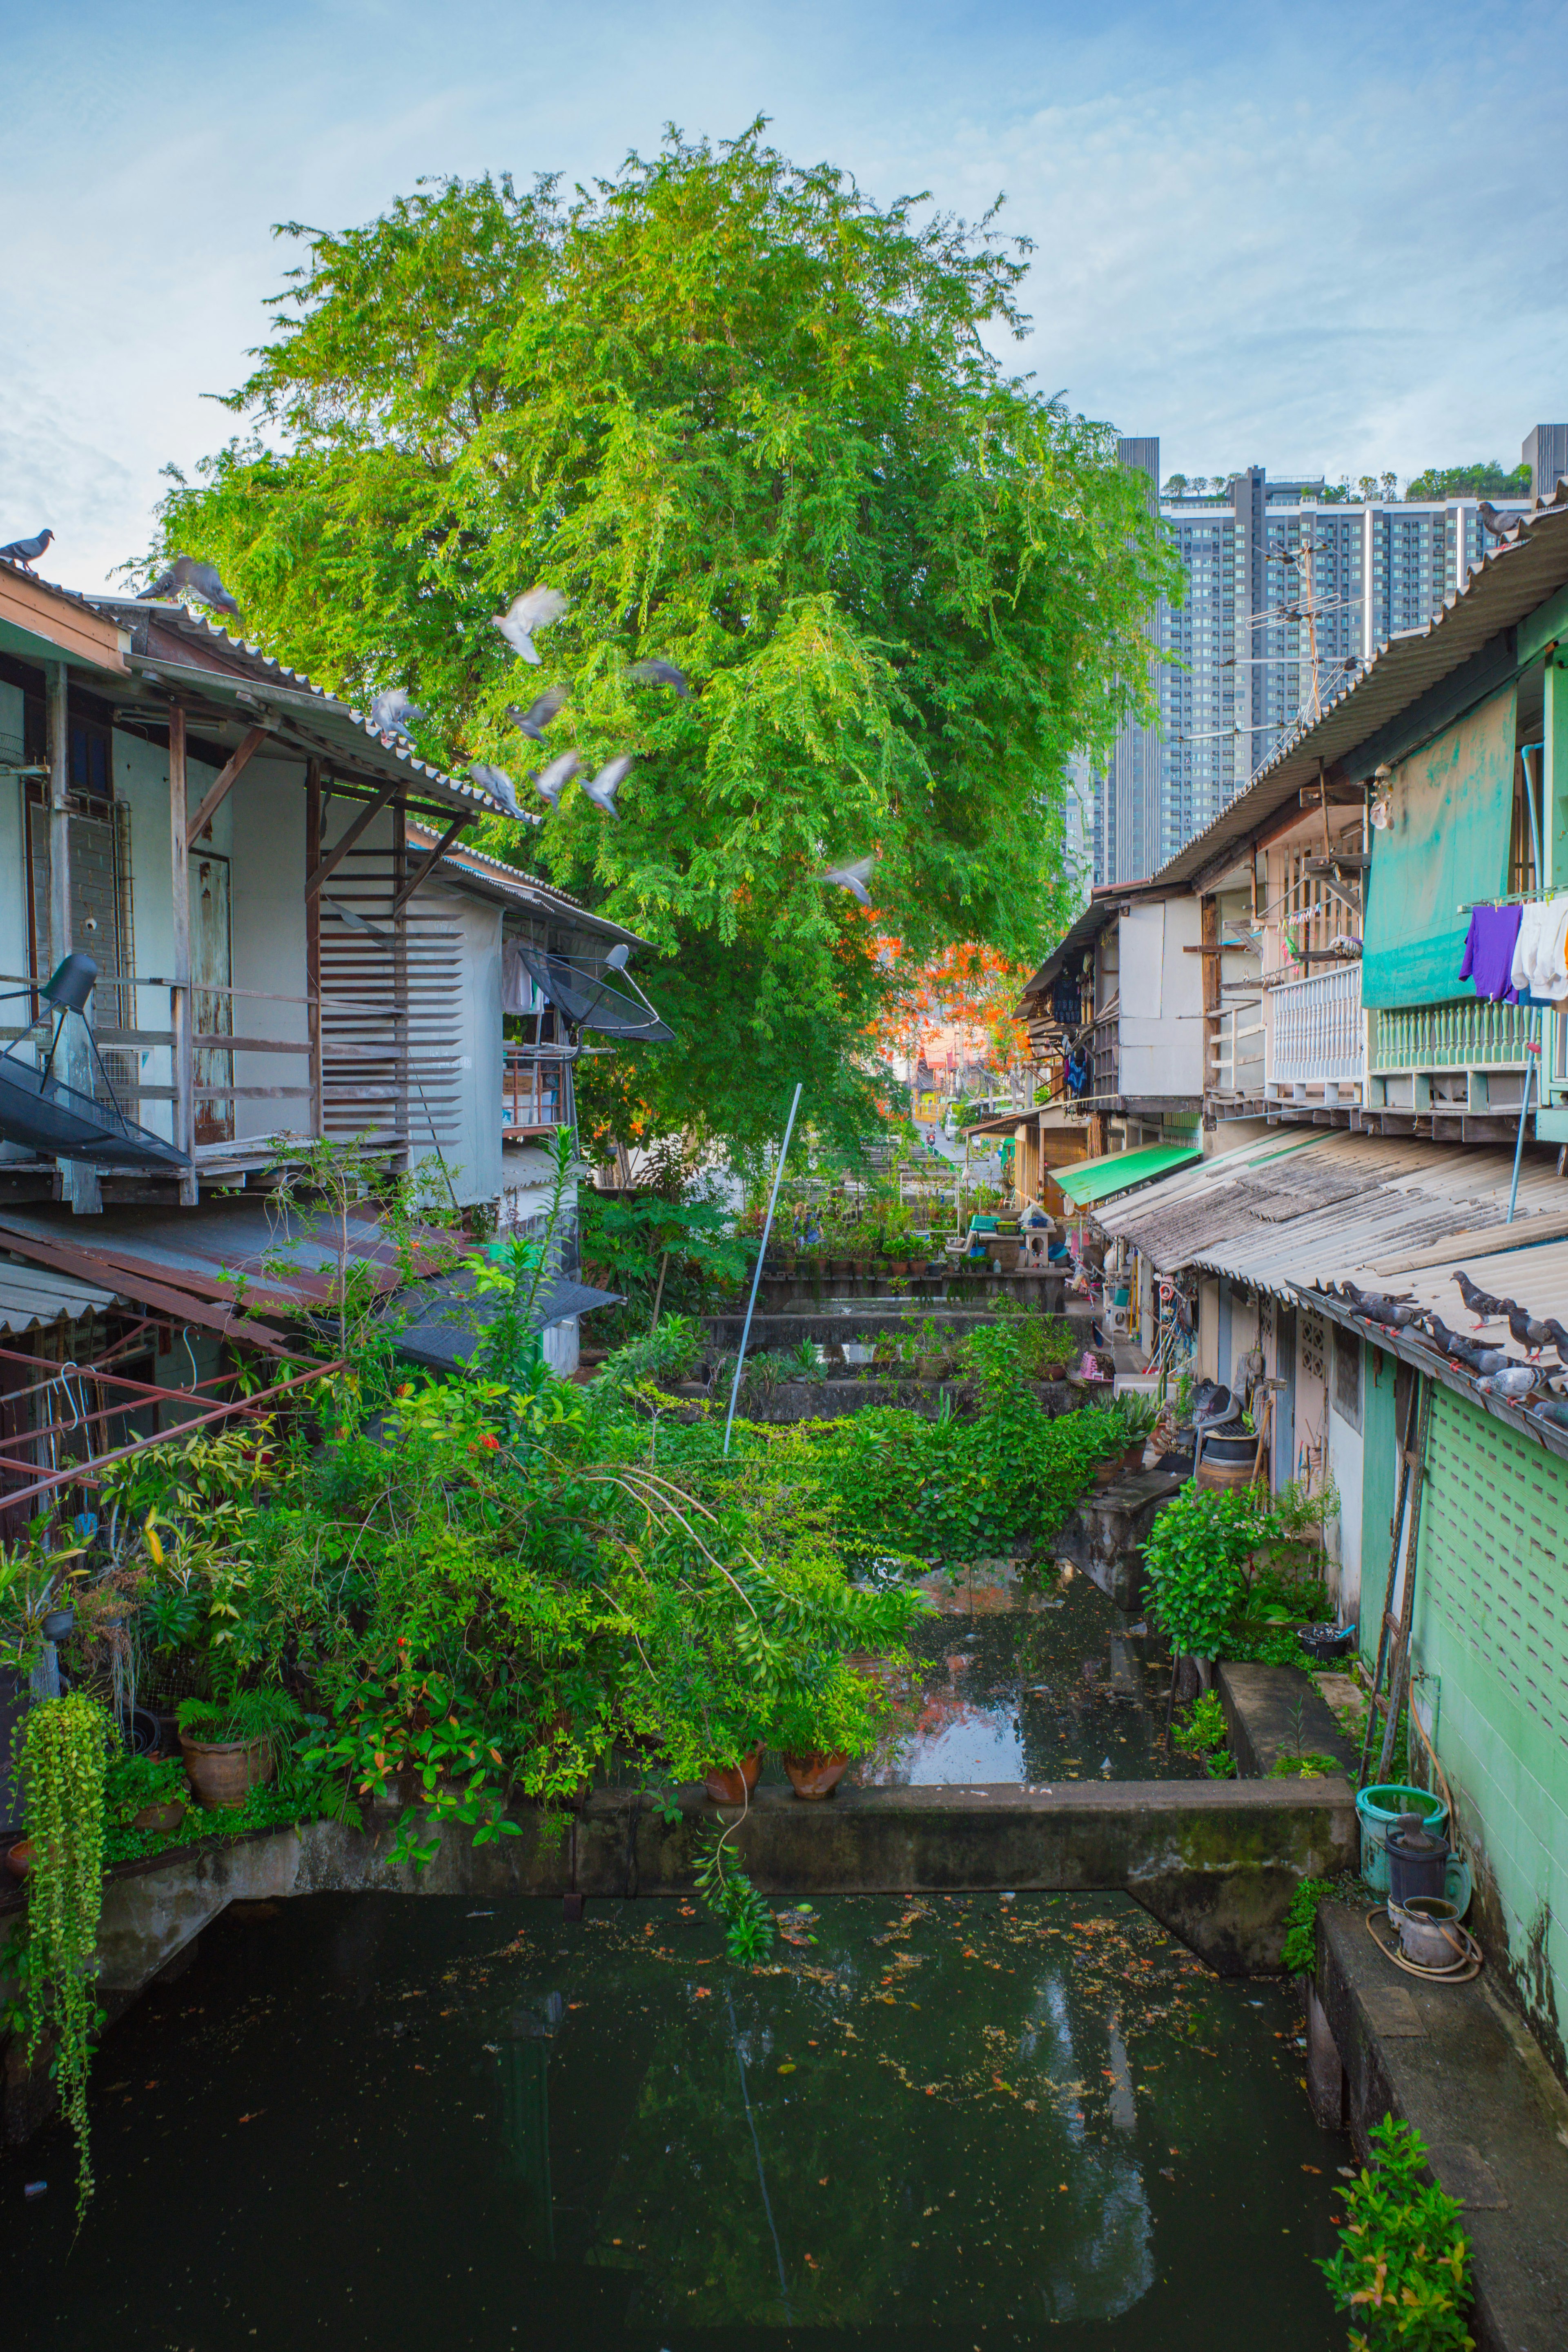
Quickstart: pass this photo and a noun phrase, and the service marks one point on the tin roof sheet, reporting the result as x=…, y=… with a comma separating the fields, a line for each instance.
x=1279, y=1214
x=32, y=1298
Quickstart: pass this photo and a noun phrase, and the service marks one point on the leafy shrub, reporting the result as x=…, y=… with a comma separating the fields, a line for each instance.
x=1402, y=2268
x=1202, y=1733
x=1299, y=1957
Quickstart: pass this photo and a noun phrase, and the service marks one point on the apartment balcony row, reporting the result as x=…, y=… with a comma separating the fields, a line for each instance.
x=1457, y=1067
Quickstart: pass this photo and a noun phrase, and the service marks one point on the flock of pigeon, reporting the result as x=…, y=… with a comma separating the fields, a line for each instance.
x=394, y=712
x=1495, y=1371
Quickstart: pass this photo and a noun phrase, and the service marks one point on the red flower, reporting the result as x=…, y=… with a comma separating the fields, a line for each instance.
x=490, y=1444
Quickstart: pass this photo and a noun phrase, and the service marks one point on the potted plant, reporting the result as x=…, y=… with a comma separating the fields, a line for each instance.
x=146, y=1793
x=825, y=1717
x=1140, y=1417
x=731, y=1784
x=230, y=1746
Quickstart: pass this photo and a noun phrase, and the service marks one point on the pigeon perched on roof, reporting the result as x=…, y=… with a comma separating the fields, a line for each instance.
x=1526, y=1332
x=602, y=789
x=26, y=551
x=1515, y=1382
x=660, y=672
x=1493, y=522
x=199, y=579
x=533, y=721
x=1559, y=1337
x=391, y=710
x=499, y=786
x=1388, y=1314
x=553, y=779
x=1549, y=1410
x=852, y=879
x=1480, y=1303
x=536, y=608
x=1380, y=1305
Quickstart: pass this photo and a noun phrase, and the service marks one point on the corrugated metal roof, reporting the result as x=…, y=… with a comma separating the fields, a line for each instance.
x=1118, y=1172
x=1100, y=910
x=31, y=1298
x=1276, y=1216
x=234, y=665
x=1508, y=583
x=511, y=882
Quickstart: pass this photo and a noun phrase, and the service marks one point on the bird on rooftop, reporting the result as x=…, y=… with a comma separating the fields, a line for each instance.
x=1526, y=1332
x=536, y=608
x=391, y=710
x=660, y=672
x=200, y=580
x=533, y=721
x=1490, y=520
x=1559, y=1337
x=1461, y=1350
x=1388, y=1314
x=852, y=879
x=1551, y=1411
x=499, y=786
x=26, y=551
x=1480, y=1303
x=1379, y=1305
x=552, y=780
x=1515, y=1382
x=602, y=789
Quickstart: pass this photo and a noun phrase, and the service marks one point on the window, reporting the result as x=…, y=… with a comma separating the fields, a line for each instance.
x=1347, y=1376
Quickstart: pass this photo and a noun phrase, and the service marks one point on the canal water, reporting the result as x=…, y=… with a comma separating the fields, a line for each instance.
x=1037, y=1687
x=940, y=2125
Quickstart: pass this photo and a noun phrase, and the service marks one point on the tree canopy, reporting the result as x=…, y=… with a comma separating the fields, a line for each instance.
x=745, y=419
x=1484, y=479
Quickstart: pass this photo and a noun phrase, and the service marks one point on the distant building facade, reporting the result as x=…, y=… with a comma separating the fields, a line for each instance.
x=1245, y=662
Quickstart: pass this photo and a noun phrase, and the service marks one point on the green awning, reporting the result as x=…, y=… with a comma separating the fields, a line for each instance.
x=1097, y=1179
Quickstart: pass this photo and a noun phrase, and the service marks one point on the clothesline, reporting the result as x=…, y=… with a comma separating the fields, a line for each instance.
x=1513, y=899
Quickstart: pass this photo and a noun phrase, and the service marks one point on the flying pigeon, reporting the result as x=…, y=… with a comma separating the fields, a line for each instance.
x=1480, y=1303
x=26, y=551
x=553, y=779
x=533, y=721
x=852, y=879
x=1491, y=521
x=660, y=672
x=602, y=789
x=536, y=608
x=1514, y=1383
x=202, y=580
x=499, y=786
x=391, y=712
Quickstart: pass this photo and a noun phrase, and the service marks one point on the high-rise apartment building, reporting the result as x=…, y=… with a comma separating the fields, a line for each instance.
x=1289, y=587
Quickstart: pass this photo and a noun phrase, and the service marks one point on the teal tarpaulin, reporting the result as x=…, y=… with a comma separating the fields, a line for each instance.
x=1446, y=845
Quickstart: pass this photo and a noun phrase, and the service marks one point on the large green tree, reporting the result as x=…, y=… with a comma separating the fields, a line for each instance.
x=745, y=419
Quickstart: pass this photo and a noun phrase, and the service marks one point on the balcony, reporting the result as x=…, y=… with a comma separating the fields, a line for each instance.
x=1465, y=1057
x=534, y=1085
x=1104, y=1059
x=1319, y=1041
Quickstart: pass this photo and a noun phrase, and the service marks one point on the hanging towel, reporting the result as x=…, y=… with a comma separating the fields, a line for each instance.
x=1538, y=956
x=516, y=983
x=1488, y=952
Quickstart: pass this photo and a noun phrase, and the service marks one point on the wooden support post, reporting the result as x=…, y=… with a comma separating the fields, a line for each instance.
x=182, y=1076
x=79, y=1182
x=328, y=865
x=313, y=939
x=407, y=889
x=227, y=777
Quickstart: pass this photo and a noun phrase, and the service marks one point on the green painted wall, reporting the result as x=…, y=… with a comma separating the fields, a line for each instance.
x=1491, y=1641
x=1379, y=1485
x=1451, y=808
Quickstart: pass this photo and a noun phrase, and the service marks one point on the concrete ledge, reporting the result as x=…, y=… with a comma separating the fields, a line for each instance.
x=1260, y=1707
x=1106, y=1533
x=1461, y=2067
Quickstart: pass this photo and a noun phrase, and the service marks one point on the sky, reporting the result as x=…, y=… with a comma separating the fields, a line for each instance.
x=1322, y=239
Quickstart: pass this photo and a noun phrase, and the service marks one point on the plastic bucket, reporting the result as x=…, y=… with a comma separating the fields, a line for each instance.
x=1379, y=1808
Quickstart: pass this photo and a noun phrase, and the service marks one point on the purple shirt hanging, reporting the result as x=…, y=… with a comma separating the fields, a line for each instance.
x=1488, y=952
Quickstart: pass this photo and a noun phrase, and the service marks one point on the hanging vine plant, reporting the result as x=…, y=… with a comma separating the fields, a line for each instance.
x=63, y=1747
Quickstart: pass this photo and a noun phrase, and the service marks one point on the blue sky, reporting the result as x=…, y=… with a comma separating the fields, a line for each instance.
x=1318, y=238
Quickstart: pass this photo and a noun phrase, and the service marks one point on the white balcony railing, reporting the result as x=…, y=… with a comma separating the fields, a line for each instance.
x=1319, y=1035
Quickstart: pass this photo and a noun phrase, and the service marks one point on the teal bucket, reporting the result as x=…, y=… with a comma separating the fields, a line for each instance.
x=1380, y=1808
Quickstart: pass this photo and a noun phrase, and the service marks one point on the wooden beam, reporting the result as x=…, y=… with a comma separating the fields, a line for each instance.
x=420, y=871
x=313, y=938
x=335, y=855
x=227, y=777
x=183, y=1059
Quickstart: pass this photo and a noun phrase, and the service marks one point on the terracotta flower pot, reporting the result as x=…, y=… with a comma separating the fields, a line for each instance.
x=19, y=1858
x=222, y=1773
x=815, y=1775
x=731, y=1784
x=164, y=1818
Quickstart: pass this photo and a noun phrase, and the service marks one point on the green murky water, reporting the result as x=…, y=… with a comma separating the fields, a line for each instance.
x=931, y=2125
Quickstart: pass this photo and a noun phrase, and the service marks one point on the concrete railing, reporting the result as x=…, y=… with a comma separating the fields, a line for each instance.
x=1319, y=1036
